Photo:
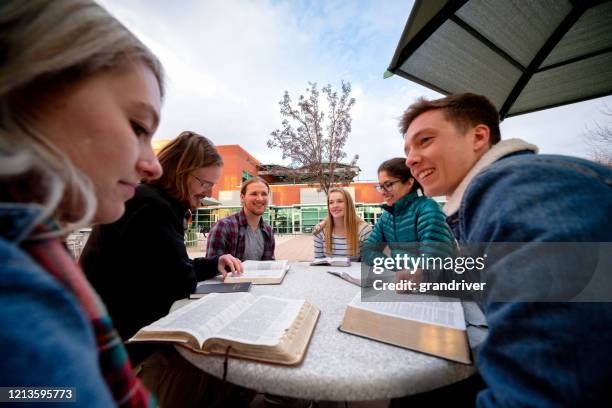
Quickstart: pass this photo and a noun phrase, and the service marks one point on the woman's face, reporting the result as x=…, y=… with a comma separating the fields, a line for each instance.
x=393, y=189
x=105, y=124
x=337, y=206
x=201, y=183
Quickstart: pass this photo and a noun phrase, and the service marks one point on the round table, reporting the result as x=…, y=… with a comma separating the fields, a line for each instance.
x=337, y=366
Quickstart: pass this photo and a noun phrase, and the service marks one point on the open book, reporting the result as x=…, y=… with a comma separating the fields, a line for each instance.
x=264, y=328
x=261, y=272
x=351, y=274
x=433, y=327
x=332, y=261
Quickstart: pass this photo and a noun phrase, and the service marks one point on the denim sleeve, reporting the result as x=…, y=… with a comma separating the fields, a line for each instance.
x=540, y=353
x=45, y=339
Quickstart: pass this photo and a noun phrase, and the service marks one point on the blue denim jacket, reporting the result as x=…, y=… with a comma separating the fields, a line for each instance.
x=45, y=338
x=539, y=354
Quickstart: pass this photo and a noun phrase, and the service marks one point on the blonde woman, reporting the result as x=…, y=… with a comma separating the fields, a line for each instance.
x=344, y=232
x=80, y=99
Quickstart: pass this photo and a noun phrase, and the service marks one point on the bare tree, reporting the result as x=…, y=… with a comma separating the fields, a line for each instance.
x=313, y=142
x=599, y=140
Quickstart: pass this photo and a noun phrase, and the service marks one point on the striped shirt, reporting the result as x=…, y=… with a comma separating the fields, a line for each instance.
x=340, y=244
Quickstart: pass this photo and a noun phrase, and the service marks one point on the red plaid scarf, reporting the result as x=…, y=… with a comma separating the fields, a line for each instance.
x=126, y=388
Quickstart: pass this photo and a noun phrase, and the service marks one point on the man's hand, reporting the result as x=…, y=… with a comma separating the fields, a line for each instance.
x=228, y=262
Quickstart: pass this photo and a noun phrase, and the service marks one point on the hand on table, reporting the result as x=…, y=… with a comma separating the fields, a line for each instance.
x=229, y=263
x=408, y=275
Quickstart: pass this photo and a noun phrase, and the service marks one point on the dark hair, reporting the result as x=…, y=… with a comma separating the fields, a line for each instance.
x=188, y=152
x=463, y=110
x=397, y=168
x=250, y=181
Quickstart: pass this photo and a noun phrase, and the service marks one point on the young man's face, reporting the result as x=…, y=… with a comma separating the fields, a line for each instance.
x=439, y=155
x=255, y=198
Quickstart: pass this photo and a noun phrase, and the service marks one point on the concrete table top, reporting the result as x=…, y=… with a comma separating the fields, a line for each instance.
x=337, y=366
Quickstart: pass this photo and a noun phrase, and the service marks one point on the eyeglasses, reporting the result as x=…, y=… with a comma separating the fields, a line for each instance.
x=206, y=185
x=386, y=186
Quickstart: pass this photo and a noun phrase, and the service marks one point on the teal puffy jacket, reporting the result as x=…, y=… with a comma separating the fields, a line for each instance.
x=411, y=219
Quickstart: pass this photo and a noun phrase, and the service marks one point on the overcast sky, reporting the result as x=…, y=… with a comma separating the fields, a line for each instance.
x=229, y=62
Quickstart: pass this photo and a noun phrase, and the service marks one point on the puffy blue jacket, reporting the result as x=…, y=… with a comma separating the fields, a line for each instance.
x=411, y=219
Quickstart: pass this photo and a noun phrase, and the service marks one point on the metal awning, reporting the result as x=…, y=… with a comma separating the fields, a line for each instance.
x=523, y=55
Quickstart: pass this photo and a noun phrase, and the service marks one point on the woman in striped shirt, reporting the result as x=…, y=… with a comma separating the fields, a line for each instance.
x=344, y=232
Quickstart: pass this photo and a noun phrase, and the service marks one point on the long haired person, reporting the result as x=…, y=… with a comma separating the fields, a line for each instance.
x=140, y=266
x=344, y=231
x=80, y=99
x=410, y=221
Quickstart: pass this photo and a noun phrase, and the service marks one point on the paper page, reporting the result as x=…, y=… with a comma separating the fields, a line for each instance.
x=441, y=313
x=262, y=273
x=264, y=265
x=264, y=322
x=321, y=261
x=352, y=272
x=206, y=316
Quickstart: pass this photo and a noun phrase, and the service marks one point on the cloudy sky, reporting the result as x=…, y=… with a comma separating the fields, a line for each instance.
x=228, y=63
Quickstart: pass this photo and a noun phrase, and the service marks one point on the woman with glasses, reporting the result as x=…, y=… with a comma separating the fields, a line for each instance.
x=344, y=232
x=139, y=265
x=408, y=217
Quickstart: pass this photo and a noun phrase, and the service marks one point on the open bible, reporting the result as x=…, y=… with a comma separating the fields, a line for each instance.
x=261, y=328
x=332, y=261
x=421, y=323
x=351, y=274
x=261, y=272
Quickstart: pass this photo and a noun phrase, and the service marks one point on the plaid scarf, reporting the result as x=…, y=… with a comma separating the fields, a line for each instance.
x=126, y=388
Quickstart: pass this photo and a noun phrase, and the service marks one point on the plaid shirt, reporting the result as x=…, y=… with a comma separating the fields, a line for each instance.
x=227, y=236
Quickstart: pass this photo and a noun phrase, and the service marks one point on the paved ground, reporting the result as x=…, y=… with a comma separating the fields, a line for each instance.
x=291, y=247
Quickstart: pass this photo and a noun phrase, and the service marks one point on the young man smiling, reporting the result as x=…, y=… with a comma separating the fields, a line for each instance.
x=542, y=349
x=244, y=234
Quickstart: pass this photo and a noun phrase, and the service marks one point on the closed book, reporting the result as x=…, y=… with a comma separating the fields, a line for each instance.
x=206, y=288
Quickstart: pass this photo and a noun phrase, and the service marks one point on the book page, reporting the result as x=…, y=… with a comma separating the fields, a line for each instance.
x=321, y=261
x=205, y=317
x=264, y=322
x=262, y=273
x=354, y=270
x=350, y=273
x=440, y=313
x=264, y=265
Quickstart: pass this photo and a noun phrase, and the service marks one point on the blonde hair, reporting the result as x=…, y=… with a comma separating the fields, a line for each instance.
x=188, y=152
x=351, y=223
x=47, y=46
